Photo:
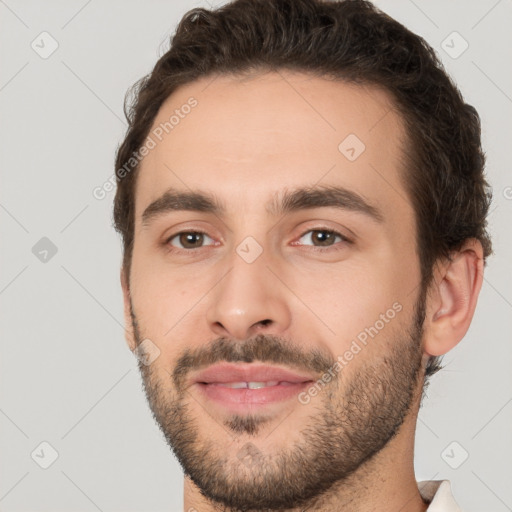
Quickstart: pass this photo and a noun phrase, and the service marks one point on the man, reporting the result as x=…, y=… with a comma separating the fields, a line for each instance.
x=302, y=203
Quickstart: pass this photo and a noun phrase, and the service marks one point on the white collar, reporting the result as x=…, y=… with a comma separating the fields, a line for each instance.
x=439, y=494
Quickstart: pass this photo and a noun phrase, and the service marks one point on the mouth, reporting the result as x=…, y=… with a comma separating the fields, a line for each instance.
x=248, y=387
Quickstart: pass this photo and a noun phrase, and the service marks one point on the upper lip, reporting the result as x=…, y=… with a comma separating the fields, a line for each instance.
x=231, y=372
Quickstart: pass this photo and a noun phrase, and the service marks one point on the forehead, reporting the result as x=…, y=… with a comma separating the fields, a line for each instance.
x=244, y=140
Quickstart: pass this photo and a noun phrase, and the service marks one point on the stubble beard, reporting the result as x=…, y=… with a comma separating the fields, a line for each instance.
x=351, y=421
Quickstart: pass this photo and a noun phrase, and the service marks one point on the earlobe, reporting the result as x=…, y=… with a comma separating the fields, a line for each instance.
x=453, y=300
x=129, y=330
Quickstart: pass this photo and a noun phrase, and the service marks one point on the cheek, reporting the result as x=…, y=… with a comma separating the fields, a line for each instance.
x=168, y=301
x=365, y=299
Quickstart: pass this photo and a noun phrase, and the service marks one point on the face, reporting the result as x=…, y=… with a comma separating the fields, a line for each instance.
x=275, y=245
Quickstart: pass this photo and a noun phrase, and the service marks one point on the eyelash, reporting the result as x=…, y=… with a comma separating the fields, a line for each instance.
x=344, y=239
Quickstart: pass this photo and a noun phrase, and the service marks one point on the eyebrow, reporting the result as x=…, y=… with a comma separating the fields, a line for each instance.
x=286, y=202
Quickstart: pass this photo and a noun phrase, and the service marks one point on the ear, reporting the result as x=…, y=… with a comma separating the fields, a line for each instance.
x=452, y=298
x=128, y=321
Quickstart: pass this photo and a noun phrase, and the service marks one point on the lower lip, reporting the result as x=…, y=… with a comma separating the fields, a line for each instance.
x=239, y=400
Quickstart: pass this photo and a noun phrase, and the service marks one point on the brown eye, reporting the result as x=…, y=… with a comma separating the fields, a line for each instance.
x=189, y=240
x=322, y=237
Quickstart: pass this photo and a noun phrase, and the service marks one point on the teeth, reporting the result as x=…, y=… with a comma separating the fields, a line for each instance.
x=258, y=385
x=234, y=385
x=250, y=385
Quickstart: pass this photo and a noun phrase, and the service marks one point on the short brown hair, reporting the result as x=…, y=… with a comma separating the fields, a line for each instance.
x=354, y=42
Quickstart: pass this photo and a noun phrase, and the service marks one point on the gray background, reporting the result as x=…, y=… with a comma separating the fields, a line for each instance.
x=67, y=376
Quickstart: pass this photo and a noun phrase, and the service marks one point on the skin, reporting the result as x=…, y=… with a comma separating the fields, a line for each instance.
x=246, y=140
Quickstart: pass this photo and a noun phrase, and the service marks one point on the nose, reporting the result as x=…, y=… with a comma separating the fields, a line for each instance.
x=248, y=300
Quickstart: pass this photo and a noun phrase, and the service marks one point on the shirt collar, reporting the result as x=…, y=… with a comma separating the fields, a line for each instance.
x=439, y=494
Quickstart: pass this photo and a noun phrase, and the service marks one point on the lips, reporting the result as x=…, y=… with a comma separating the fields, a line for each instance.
x=257, y=375
x=242, y=388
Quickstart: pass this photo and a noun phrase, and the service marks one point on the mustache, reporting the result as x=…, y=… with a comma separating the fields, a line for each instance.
x=262, y=348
